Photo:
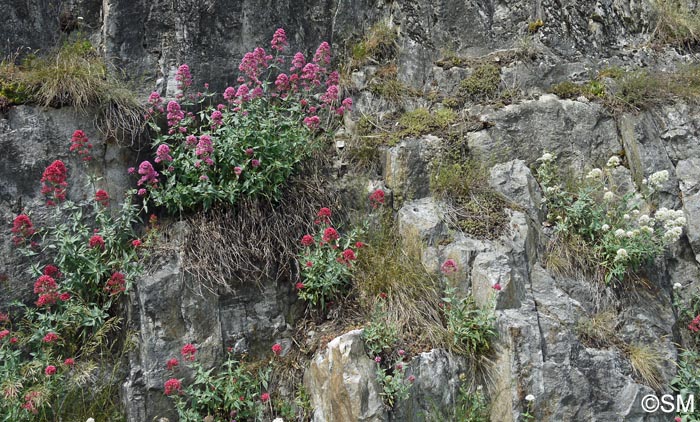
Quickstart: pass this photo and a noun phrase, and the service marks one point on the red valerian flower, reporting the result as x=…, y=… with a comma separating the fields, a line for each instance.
x=324, y=216
x=172, y=386
x=64, y=296
x=347, y=257
x=376, y=198
x=31, y=400
x=265, y=397
x=22, y=228
x=81, y=145
x=136, y=243
x=4, y=333
x=307, y=240
x=45, y=284
x=411, y=379
x=102, y=197
x=383, y=295
x=309, y=264
x=50, y=337
x=69, y=362
x=14, y=340
x=330, y=235
x=279, y=40
x=299, y=285
x=52, y=271
x=172, y=363
x=359, y=245
x=96, y=241
x=50, y=370
x=497, y=287
x=277, y=348
x=4, y=317
x=188, y=351
x=694, y=325
x=54, y=182
x=47, y=299
x=116, y=284
x=449, y=267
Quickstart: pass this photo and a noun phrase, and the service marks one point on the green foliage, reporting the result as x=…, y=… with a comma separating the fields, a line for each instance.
x=395, y=386
x=472, y=327
x=73, y=75
x=472, y=406
x=422, y=122
x=378, y=45
x=476, y=209
x=687, y=381
x=534, y=26
x=483, y=84
x=619, y=228
x=233, y=389
x=677, y=23
x=379, y=335
x=326, y=262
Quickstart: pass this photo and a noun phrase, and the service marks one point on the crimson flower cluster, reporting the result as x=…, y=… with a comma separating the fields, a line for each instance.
x=116, y=284
x=694, y=325
x=80, y=144
x=22, y=229
x=53, y=182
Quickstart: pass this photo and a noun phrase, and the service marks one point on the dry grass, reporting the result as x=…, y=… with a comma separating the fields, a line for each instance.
x=677, y=23
x=392, y=266
x=598, y=331
x=258, y=239
x=646, y=363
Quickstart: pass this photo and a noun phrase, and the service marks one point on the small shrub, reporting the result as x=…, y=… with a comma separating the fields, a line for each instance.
x=677, y=23
x=483, y=84
x=472, y=406
x=687, y=380
x=378, y=45
x=422, y=122
x=472, y=327
x=379, y=335
x=248, y=146
x=326, y=262
x=534, y=26
x=232, y=392
x=395, y=385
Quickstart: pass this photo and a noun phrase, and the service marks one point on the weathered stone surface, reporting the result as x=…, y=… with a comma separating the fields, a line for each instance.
x=422, y=219
x=515, y=181
x=407, y=168
x=341, y=383
x=578, y=133
x=435, y=390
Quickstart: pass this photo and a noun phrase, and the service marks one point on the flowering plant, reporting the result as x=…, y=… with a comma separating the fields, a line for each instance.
x=232, y=394
x=84, y=259
x=326, y=261
x=472, y=328
x=621, y=228
x=252, y=142
x=395, y=384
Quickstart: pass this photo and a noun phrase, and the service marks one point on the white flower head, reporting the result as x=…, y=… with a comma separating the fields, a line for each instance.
x=629, y=233
x=613, y=161
x=530, y=397
x=546, y=158
x=596, y=173
x=644, y=220
x=605, y=227
x=278, y=420
x=657, y=179
x=621, y=255
x=608, y=196
x=677, y=286
x=647, y=229
x=620, y=233
x=672, y=235
x=90, y=420
x=626, y=216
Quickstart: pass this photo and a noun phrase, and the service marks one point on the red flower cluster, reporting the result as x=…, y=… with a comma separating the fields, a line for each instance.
x=330, y=235
x=376, y=198
x=347, y=257
x=299, y=285
x=50, y=370
x=307, y=240
x=102, y=197
x=80, y=144
x=188, y=351
x=497, y=287
x=52, y=271
x=116, y=284
x=277, y=349
x=136, y=243
x=69, y=362
x=324, y=216
x=4, y=317
x=22, y=228
x=265, y=397
x=31, y=401
x=171, y=364
x=172, y=386
x=4, y=333
x=50, y=337
x=53, y=182
x=694, y=325
x=96, y=241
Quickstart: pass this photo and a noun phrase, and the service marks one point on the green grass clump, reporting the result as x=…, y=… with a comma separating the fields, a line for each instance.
x=422, y=122
x=534, y=26
x=379, y=44
x=73, y=75
x=475, y=208
x=482, y=84
x=677, y=23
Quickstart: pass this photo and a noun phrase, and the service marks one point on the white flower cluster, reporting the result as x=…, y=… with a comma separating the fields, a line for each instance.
x=595, y=174
x=608, y=196
x=673, y=221
x=657, y=180
x=546, y=158
x=613, y=161
x=621, y=255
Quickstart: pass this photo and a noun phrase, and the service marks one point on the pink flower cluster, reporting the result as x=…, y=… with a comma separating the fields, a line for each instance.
x=22, y=228
x=188, y=351
x=53, y=182
x=376, y=198
x=81, y=145
x=102, y=197
x=183, y=77
x=148, y=174
x=163, y=154
x=694, y=325
x=175, y=116
x=172, y=386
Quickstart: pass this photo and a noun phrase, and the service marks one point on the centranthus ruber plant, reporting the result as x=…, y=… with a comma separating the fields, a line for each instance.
x=249, y=144
x=326, y=261
x=84, y=256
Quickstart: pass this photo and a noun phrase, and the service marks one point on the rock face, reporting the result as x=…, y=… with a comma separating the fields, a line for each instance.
x=342, y=383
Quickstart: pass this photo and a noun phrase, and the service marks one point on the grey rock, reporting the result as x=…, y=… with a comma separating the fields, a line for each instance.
x=407, y=168
x=515, y=181
x=688, y=172
x=341, y=382
x=422, y=220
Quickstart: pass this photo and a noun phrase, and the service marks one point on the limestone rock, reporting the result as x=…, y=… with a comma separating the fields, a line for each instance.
x=342, y=384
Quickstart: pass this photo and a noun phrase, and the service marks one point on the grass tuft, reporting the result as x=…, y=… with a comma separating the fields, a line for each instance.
x=646, y=363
